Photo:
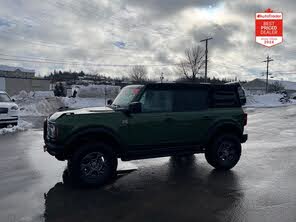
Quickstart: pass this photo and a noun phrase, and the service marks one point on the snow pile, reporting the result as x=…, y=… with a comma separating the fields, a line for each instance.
x=76, y=103
x=43, y=94
x=42, y=107
x=22, y=94
x=90, y=96
x=37, y=94
x=37, y=104
x=45, y=103
x=22, y=126
x=267, y=100
x=97, y=91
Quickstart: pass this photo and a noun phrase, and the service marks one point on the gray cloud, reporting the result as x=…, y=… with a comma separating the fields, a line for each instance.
x=169, y=7
x=246, y=8
x=220, y=33
x=153, y=31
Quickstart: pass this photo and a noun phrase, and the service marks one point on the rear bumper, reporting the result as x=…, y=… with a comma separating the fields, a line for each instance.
x=244, y=138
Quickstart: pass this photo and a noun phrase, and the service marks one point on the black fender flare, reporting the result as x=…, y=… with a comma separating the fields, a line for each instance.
x=96, y=130
x=223, y=126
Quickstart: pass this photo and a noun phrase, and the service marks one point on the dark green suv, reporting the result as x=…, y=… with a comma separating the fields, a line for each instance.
x=149, y=121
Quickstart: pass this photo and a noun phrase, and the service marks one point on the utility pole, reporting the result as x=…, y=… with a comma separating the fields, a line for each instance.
x=268, y=59
x=161, y=77
x=206, y=64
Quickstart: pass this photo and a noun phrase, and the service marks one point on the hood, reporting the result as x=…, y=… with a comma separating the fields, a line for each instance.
x=91, y=110
x=7, y=104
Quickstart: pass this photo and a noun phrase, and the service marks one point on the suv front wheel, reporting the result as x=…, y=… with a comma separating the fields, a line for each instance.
x=93, y=164
x=224, y=152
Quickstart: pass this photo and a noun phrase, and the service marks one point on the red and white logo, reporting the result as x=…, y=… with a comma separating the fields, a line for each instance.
x=269, y=28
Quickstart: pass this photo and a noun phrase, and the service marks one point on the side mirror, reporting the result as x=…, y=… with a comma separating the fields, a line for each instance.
x=109, y=102
x=135, y=107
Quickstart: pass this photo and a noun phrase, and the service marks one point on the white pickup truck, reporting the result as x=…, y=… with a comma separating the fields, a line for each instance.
x=8, y=111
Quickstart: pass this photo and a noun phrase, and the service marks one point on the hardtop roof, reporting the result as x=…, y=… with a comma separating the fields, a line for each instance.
x=191, y=86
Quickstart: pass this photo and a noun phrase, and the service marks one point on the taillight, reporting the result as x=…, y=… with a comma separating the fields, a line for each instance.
x=245, y=119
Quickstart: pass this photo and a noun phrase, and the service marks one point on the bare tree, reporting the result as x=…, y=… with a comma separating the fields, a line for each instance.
x=138, y=74
x=192, y=63
x=276, y=87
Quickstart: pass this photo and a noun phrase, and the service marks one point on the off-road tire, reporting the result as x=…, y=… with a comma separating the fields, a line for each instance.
x=77, y=163
x=224, y=152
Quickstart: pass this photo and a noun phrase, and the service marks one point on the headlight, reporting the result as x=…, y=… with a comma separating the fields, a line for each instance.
x=14, y=108
x=52, y=131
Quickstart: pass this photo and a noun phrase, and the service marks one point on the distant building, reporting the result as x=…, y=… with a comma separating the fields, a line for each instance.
x=14, y=79
x=13, y=86
x=258, y=86
x=16, y=72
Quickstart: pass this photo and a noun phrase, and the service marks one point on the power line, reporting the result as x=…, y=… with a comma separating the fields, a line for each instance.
x=84, y=64
x=279, y=73
x=287, y=72
x=31, y=57
x=64, y=46
x=108, y=52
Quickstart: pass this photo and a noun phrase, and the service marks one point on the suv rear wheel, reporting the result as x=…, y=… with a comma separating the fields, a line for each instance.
x=224, y=153
x=93, y=164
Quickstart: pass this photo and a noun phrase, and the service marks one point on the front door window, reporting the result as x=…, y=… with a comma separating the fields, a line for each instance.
x=157, y=101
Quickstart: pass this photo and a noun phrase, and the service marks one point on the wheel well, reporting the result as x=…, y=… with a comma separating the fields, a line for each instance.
x=86, y=138
x=224, y=129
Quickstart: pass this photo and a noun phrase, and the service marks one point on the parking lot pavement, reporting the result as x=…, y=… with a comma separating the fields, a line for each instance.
x=260, y=188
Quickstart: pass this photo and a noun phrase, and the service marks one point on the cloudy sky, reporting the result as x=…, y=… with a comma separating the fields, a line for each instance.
x=108, y=37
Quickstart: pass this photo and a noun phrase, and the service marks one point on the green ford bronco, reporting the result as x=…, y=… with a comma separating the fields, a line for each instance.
x=146, y=121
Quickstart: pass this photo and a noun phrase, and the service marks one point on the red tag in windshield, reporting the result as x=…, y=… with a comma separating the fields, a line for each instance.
x=136, y=91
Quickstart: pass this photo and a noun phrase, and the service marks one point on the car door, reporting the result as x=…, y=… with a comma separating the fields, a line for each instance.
x=149, y=128
x=191, y=117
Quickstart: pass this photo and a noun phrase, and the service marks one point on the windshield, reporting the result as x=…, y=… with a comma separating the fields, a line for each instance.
x=4, y=98
x=126, y=95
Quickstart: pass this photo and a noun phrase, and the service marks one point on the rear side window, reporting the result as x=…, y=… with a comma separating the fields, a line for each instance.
x=225, y=98
x=188, y=100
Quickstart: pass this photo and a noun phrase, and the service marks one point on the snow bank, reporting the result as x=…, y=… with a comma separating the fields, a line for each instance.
x=36, y=94
x=45, y=103
x=22, y=126
x=42, y=107
x=76, y=103
x=37, y=103
x=96, y=91
x=91, y=96
x=267, y=100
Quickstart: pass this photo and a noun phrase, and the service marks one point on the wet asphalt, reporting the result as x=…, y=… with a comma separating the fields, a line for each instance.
x=262, y=187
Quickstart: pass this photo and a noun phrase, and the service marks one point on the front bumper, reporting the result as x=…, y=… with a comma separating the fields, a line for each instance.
x=244, y=138
x=55, y=150
x=8, y=120
x=51, y=147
